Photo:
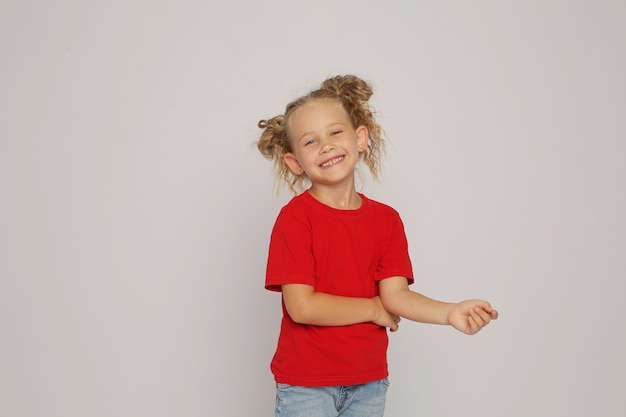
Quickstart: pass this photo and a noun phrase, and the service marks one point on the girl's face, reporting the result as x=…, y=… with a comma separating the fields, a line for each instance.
x=326, y=146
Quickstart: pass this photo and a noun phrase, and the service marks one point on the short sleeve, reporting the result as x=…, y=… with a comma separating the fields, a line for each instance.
x=395, y=261
x=290, y=258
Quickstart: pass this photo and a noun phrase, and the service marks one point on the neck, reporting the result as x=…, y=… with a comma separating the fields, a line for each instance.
x=340, y=198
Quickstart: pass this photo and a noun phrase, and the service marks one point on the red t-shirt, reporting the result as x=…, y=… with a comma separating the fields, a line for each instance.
x=340, y=252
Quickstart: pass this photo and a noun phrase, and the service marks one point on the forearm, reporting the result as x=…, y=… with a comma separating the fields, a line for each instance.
x=398, y=299
x=417, y=307
x=467, y=316
x=305, y=306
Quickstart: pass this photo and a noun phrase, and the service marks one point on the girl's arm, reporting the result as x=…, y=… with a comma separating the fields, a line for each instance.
x=306, y=306
x=467, y=316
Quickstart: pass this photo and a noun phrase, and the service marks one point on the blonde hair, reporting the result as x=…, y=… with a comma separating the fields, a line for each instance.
x=353, y=94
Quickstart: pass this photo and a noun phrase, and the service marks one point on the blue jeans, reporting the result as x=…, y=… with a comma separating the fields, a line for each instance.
x=364, y=400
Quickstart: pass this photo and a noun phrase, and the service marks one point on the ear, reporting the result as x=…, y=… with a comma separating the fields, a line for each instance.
x=362, y=138
x=293, y=164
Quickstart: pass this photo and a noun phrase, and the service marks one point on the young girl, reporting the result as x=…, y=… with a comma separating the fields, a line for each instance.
x=340, y=259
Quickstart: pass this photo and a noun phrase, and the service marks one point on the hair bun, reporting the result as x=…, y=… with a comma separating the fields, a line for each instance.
x=348, y=86
x=272, y=138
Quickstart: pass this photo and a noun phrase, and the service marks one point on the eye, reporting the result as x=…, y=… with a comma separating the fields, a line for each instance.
x=309, y=142
x=335, y=132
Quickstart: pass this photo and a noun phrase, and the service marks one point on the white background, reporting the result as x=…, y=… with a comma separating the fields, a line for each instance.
x=135, y=211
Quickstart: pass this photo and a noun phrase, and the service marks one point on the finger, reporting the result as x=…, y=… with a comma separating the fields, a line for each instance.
x=486, y=306
x=474, y=313
x=484, y=315
x=473, y=326
x=492, y=312
x=393, y=325
x=477, y=320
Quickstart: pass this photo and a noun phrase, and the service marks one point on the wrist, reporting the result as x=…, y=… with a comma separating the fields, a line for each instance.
x=448, y=308
x=375, y=308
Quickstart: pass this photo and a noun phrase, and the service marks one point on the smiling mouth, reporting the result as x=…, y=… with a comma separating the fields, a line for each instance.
x=332, y=161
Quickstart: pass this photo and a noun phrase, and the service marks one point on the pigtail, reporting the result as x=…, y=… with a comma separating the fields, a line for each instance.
x=273, y=140
x=273, y=145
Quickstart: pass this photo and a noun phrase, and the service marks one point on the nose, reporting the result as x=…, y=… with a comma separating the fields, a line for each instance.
x=327, y=146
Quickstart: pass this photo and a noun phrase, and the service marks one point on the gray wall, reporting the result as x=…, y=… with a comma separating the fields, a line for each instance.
x=135, y=212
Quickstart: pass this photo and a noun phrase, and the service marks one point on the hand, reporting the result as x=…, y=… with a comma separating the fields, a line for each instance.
x=472, y=315
x=385, y=318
